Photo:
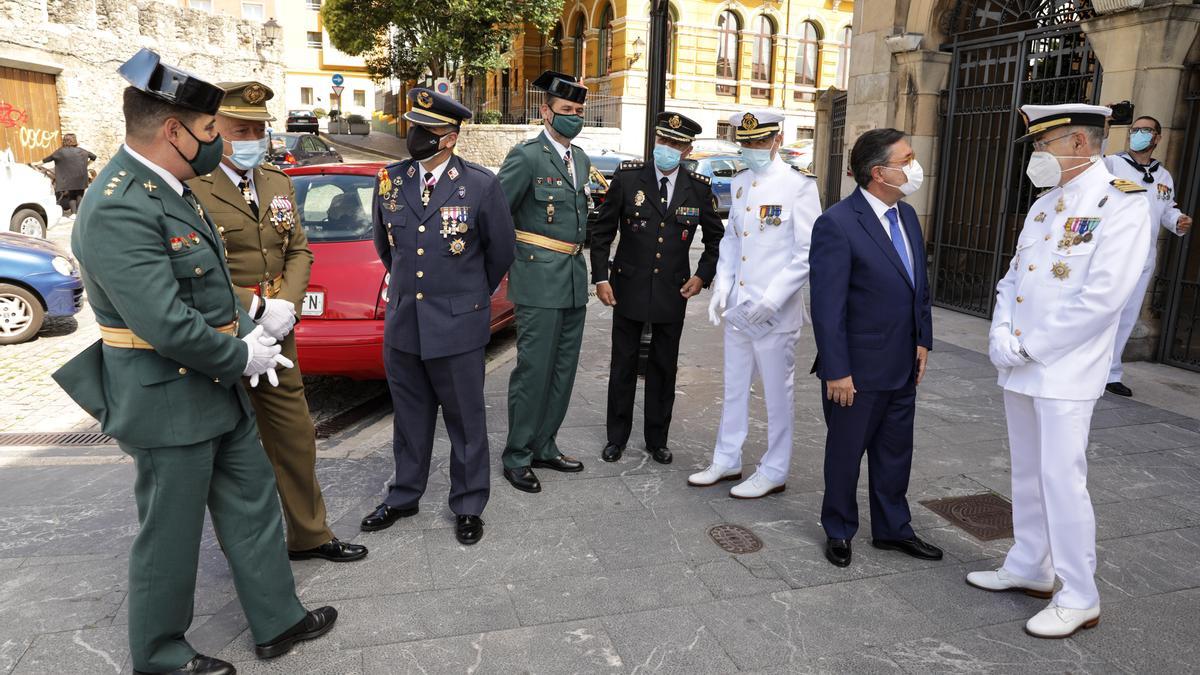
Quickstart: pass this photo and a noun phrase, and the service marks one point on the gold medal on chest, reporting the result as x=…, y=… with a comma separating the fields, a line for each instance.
x=1060, y=270
x=457, y=246
x=639, y=198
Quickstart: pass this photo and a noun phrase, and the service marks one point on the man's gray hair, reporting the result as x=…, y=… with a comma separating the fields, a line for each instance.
x=1094, y=135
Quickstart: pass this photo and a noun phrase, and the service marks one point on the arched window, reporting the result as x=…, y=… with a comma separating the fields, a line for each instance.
x=578, y=44
x=762, y=56
x=556, y=47
x=672, y=37
x=843, y=66
x=808, y=60
x=728, y=63
x=604, y=60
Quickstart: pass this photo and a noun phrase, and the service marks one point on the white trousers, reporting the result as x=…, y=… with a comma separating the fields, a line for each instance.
x=1053, y=522
x=773, y=356
x=1129, y=317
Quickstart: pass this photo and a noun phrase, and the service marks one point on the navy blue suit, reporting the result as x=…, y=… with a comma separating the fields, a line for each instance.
x=868, y=319
x=445, y=260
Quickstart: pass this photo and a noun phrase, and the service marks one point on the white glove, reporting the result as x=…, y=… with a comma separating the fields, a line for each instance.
x=761, y=311
x=716, y=306
x=278, y=318
x=263, y=357
x=1004, y=349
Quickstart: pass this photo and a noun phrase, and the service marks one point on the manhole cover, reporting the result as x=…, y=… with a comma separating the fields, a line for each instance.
x=735, y=538
x=986, y=517
x=57, y=439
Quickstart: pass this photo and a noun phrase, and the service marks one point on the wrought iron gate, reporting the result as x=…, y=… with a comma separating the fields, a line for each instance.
x=1007, y=53
x=837, y=141
x=1180, y=280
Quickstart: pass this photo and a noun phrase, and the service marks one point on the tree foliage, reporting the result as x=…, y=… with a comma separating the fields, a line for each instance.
x=409, y=39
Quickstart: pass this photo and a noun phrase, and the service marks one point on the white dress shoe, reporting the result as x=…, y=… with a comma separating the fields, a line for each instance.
x=1003, y=580
x=755, y=486
x=714, y=474
x=1056, y=622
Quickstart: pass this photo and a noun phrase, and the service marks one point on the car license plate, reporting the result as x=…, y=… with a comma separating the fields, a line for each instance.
x=314, y=304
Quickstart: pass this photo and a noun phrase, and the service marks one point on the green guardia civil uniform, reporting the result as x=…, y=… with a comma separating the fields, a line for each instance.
x=165, y=382
x=548, y=283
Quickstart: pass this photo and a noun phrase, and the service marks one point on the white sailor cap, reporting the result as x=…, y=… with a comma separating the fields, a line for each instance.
x=1039, y=118
x=751, y=125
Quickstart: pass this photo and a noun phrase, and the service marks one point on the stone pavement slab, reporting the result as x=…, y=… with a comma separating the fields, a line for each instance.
x=611, y=569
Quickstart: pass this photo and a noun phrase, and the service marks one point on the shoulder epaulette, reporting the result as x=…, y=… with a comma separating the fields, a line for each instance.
x=700, y=177
x=804, y=172
x=1126, y=185
x=476, y=167
x=117, y=185
x=397, y=163
x=530, y=141
x=631, y=164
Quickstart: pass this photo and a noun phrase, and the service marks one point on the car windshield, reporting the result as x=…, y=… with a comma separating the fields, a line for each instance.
x=280, y=142
x=335, y=207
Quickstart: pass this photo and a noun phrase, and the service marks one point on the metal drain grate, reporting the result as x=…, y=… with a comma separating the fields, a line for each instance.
x=735, y=538
x=347, y=418
x=985, y=516
x=68, y=439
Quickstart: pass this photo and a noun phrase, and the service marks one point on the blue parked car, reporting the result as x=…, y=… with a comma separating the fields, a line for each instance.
x=721, y=169
x=37, y=279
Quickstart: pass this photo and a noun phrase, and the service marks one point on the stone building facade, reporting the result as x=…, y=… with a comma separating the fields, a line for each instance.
x=70, y=51
x=952, y=73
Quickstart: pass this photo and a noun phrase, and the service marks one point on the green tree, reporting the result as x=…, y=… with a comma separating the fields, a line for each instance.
x=408, y=38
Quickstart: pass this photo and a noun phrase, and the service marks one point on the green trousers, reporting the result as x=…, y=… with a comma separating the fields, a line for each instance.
x=539, y=390
x=230, y=475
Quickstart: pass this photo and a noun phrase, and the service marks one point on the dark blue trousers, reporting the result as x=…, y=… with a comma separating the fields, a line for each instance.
x=418, y=388
x=879, y=423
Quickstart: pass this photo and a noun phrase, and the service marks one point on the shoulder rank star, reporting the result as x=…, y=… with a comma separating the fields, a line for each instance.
x=1040, y=218
x=1060, y=270
x=1060, y=206
x=150, y=187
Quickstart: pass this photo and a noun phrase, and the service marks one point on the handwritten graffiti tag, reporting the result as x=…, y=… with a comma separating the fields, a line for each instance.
x=11, y=116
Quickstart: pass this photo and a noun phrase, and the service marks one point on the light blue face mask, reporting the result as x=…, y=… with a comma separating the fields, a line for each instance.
x=1140, y=140
x=757, y=158
x=248, y=154
x=666, y=158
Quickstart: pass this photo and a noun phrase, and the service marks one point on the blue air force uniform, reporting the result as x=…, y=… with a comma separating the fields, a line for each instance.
x=446, y=236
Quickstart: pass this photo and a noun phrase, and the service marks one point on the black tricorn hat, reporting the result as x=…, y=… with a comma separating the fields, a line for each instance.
x=146, y=72
x=561, y=85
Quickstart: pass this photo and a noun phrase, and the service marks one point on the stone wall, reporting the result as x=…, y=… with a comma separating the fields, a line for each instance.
x=83, y=42
x=488, y=144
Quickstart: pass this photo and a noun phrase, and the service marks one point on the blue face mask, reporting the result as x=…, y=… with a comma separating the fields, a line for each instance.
x=248, y=154
x=666, y=158
x=1140, y=140
x=757, y=158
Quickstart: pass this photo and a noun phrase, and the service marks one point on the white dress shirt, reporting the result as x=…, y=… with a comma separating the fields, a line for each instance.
x=562, y=152
x=171, y=181
x=881, y=210
x=659, y=175
x=437, y=171
x=236, y=177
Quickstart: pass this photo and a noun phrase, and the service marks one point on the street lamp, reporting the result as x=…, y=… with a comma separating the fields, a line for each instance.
x=656, y=71
x=639, y=47
x=272, y=29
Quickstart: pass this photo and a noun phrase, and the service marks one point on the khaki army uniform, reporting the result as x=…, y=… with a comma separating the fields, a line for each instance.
x=269, y=256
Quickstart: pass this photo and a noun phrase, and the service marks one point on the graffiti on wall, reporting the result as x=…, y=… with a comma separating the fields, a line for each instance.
x=30, y=138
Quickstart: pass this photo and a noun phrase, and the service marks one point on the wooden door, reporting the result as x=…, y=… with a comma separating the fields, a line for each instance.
x=28, y=114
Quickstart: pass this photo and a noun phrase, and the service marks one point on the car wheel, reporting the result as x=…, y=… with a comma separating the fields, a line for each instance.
x=30, y=222
x=21, y=314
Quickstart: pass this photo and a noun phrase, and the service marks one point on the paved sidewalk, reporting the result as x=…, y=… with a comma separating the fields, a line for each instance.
x=386, y=145
x=611, y=569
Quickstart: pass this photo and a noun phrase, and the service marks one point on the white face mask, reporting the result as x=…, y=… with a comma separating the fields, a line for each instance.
x=915, y=175
x=1044, y=170
x=249, y=154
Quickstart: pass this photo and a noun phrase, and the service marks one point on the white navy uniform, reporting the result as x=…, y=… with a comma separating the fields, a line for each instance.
x=1163, y=211
x=764, y=255
x=1061, y=298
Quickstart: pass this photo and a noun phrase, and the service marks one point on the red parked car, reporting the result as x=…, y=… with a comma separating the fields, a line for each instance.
x=341, y=328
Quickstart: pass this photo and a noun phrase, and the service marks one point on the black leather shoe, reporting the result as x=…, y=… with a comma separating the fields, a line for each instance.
x=469, y=530
x=612, y=452
x=914, y=547
x=560, y=463
x=200, y=663
x=385, y=516
x=1119, y=389
x=333, y=551
x=524, y=479
x=837, y=551
x=314, y=624
x=661, y=455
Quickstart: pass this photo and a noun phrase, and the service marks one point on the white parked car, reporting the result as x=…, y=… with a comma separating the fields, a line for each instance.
x=27, y=203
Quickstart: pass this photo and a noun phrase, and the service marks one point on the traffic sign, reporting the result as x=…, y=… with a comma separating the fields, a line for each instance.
x=443, y=86
x=338, y=79
x=337, y=91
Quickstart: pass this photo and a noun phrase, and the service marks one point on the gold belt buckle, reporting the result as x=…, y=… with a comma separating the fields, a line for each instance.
x=262, y=290
x=578, y=249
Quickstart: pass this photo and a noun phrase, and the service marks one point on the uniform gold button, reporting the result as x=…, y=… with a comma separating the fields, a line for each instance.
x=531, y=257
x=660, y=240
x=661, y=226
x=657, y=255
x=747, y=209
x=745, y=234
x=1032, y=267
x=267, y=276
x=477, y=305
x=420, y=296
x=199, y=271
x=551, y=197
x=741, y=283
x=260, y=226
x=1047, y=237
x=1017, y=332
x=264, y=251
x=183, y=371
x=420, y=274
x=1020, y=299
x=421, y=228
x=420, y=251
x=743, y=258
x=216, y=380
x=656, y=270
x=754, y=184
